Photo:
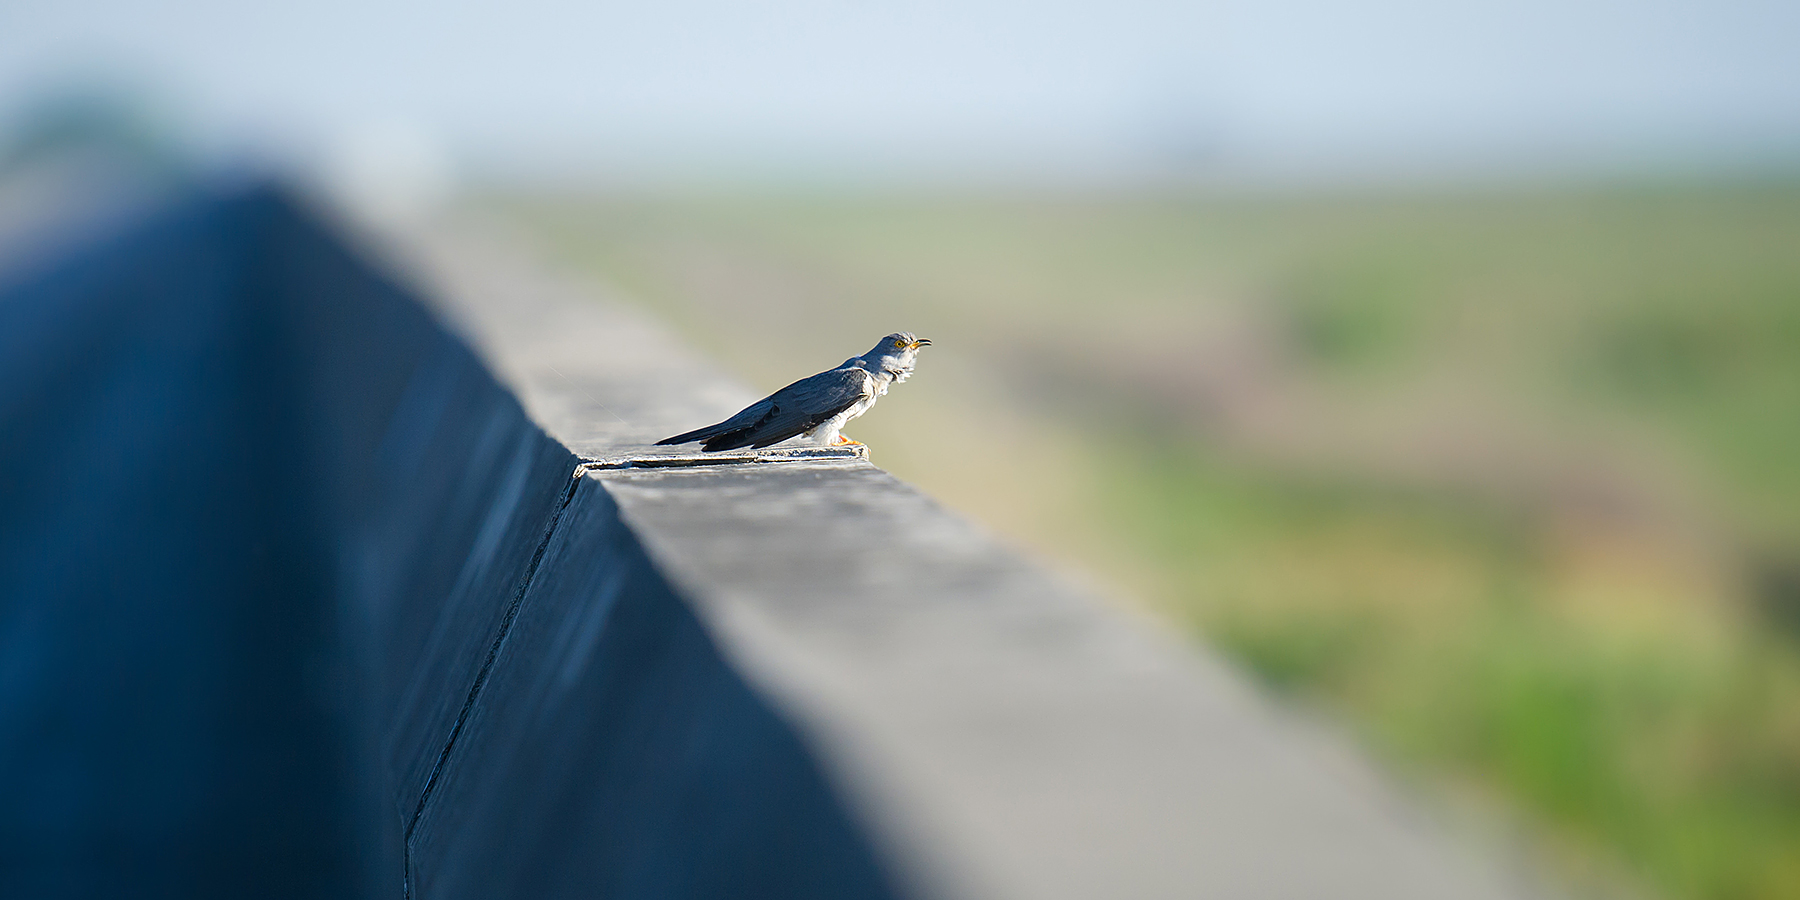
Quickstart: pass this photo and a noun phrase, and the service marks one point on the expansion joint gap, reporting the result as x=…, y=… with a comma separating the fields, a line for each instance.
x=487, y=666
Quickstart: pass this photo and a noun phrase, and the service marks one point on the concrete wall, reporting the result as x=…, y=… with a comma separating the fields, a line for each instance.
x=297, y=600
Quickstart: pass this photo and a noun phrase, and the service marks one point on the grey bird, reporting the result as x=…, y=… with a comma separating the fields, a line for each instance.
x=816, y=406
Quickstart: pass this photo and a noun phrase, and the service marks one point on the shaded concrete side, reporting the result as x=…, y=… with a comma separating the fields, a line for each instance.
x=432, y=486
x=1002, y=734
x=436, y=489
x=613, y=753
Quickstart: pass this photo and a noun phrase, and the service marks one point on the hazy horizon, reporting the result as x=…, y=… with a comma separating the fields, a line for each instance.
x=1303, y=90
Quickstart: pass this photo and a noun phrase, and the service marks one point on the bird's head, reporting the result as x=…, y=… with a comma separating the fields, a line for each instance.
x=895, y=354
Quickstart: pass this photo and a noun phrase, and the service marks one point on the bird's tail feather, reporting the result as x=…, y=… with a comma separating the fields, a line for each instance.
x=698, y=434
x=731, y=440
x=714, y=438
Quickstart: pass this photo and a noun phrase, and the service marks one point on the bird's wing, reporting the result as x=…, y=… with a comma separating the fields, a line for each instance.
x=745, y=418
x=808, y=403
x=794, y=409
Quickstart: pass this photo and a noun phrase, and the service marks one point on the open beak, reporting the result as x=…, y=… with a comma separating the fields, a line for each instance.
x=921, y=342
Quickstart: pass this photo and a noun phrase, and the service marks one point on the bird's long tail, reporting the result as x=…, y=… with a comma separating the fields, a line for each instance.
x=698, y=434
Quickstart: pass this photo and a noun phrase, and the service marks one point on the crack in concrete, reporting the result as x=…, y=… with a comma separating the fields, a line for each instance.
x=644, y=458
x=481, y=676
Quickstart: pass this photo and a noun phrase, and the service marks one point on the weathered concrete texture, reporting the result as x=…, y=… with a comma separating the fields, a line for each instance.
x=1004, y=735
x=266, y=533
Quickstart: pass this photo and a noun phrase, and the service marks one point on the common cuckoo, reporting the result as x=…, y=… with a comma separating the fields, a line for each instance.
x=816, y=406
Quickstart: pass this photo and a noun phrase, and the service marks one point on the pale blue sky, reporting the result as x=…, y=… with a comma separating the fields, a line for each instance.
x=974, y=86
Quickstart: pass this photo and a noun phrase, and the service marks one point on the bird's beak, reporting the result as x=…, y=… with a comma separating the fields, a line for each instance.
x=921, y=342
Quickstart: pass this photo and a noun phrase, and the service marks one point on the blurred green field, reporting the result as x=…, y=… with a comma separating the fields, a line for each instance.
x=1507, y=481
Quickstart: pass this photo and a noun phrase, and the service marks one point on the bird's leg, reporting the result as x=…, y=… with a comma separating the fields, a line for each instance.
x=846, y=441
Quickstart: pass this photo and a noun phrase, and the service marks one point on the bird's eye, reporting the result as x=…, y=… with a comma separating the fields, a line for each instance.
x=899, y=343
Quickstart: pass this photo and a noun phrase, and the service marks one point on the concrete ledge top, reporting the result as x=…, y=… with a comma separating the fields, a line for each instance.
x=1000, y=733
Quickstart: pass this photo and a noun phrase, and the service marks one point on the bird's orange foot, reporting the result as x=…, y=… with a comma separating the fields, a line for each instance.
x=843, y=441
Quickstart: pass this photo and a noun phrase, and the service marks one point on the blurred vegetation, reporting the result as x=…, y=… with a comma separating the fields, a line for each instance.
x=1508, y=481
